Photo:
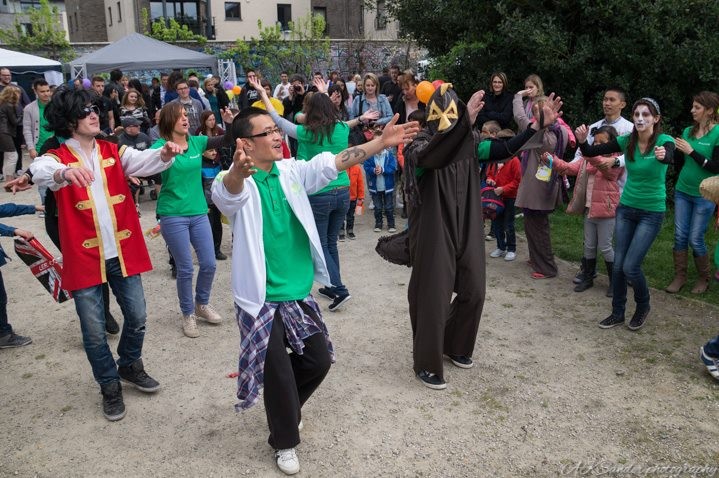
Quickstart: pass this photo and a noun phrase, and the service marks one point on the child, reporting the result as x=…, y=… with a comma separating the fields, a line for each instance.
x=596, y=194
x=8, y=339
x=505, y=177
x=356, y=199
x=380, y=183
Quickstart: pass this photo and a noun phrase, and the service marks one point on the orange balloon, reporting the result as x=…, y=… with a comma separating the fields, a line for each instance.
x=424, y=91
x=237, y=89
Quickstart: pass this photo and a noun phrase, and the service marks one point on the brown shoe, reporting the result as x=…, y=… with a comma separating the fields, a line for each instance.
x=704, y=270
x=680, y=272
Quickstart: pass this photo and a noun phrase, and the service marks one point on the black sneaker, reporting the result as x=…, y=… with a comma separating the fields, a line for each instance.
x=173, y=271
x=153, y=195
x=135, y=375
x=111, y=325
x=461, y=361
x=351, y=235
x=431, y=380
x=341, y=237
x=638, y=319
x=112, y=405
x=611, y=321
x=11, y=341
x=327, y=292
x=220, y=256
x=339, y=301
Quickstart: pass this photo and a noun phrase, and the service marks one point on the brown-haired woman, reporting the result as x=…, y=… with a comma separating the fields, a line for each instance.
x=182, y=210
x=9, y=98
x=133, y=106
x=497, y=102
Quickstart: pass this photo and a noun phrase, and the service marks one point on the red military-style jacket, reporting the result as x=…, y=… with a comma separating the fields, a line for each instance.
x=79, y=224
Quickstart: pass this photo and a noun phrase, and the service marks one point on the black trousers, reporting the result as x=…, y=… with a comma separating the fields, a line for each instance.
x=215, y=217
x=290, y=379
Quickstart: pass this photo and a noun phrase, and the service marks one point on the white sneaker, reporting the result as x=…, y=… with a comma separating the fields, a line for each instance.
x=189, y=326
x=207, y=313
x=287, y=461
x=371, y=205
x=497, y=253
x=510, y=256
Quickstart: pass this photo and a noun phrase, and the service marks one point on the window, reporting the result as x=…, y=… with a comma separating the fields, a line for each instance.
x=69, y=23
x=284, y=15
x=109, y=13
x=119, y=13
x=322, y=11
x=380, y=21
x=77, y=25
x=184, y=11
x=233, y=11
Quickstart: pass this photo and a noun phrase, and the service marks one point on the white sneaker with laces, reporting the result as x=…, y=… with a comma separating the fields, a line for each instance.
x=207, y=313
x=497, y=253
x=189, y=326
x=287, y=461
x=510, y=256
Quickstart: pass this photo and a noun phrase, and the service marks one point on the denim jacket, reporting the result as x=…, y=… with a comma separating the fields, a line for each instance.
x=383, y=106
x=387, y=160
x=8, y=210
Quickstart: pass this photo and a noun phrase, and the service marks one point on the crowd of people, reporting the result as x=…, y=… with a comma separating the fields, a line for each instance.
x=289, y=166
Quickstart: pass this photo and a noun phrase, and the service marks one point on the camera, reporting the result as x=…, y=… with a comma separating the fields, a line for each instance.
x=297, y=88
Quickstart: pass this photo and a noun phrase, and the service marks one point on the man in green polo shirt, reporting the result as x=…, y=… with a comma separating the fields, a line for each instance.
x=34, y=124
x=276, y=257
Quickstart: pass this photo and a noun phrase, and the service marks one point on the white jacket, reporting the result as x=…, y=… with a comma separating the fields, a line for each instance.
x=297, y=179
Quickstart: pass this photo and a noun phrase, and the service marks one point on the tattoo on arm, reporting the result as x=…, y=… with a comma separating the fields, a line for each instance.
x=353, y=153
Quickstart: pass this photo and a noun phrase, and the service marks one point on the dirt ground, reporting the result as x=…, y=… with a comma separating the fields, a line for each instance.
x=551, y=393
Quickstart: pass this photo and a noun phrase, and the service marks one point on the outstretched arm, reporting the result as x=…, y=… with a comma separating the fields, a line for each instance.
x=392, y=135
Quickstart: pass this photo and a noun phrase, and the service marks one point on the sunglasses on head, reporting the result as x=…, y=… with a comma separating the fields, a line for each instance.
x=88, y=110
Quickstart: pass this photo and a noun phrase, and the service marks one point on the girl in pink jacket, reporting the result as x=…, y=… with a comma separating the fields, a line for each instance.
x=596, y=195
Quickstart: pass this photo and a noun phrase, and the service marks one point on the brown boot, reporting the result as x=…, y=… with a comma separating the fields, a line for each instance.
x=704, y=271
x=680, y=272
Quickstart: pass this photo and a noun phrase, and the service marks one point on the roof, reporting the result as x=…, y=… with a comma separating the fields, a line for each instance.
x=14, y=59
x=140, y=52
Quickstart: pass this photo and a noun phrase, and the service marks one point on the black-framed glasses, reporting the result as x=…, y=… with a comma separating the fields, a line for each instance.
x=265, y=133
x=88, y=110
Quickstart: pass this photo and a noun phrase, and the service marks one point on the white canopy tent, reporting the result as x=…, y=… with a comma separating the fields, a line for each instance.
x=25, y=68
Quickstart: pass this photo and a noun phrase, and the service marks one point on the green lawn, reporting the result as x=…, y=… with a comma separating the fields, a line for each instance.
x=567, y=239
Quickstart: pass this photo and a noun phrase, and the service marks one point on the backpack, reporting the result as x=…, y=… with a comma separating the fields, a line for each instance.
x=492, y=205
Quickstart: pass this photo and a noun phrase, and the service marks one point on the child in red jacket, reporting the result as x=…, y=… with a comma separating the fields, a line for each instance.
x=505, y=177
x=356, y=198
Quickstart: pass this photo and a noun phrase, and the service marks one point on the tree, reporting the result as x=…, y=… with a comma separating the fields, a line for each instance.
x=45, y=35
x=173, y=32
x=667, y=49
x=302, y=50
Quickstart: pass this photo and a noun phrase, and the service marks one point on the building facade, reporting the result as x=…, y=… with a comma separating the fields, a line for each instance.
x=10, y=10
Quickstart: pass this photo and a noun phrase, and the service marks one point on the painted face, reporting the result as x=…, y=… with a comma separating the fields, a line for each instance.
x=89, y=126
x=643, y=118
x=533, y=90
x=43, y=93
x=266, y=148
x=612, y=104
x=497, y=85
x=182, y=125
x=700, y=114
x=409, y=89
x=369, y=88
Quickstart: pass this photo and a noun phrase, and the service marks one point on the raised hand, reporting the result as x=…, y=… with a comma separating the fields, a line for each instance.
x=242, y=164
x=255, y=83
x=581, y=133
x=475, y=105
x=394, y=134
x=320, y=85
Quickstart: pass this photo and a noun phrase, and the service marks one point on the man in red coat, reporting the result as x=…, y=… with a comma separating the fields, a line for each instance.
x=100, y=236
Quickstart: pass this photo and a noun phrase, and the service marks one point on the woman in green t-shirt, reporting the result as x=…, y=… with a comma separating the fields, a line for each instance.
x=641, y=207
x=697, y=158
x=182, y=210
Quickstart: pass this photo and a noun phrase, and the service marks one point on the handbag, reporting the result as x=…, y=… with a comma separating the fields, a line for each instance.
x=492, y=204
x=360, y=134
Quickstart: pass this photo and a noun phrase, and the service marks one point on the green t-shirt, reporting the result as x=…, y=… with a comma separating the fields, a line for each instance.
x=43, y=134
x=645, y=187
x=692, y=173
x=308, y=149
x=181, y=193
x=288, y=258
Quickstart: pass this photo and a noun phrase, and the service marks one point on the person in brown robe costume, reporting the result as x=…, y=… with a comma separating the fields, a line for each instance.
x=446, y=229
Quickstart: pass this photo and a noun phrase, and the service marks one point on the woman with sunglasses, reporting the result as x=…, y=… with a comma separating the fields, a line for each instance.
x=182, y=210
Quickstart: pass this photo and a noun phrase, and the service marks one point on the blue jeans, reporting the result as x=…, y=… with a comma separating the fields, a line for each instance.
x=179, y=232
x=330, y=209
x=503, y=227
x=383, y=201
x=691, y=217
x=711, y=348
x=91, y=311
x=634, y=233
